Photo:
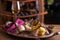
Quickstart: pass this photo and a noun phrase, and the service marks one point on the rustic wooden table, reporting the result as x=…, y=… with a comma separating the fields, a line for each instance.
x=57, y=37
x=4, y=36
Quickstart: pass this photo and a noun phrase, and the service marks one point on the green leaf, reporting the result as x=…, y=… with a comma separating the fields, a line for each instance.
x=52, y=27
x=50, y=2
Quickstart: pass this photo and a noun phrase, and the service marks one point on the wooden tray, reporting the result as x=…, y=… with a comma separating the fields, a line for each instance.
x=25, y=35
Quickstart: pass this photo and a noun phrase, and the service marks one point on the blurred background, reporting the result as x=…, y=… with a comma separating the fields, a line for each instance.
x=53, y=8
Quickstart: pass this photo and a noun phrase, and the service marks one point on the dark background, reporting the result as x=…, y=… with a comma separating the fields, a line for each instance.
x=53, y=16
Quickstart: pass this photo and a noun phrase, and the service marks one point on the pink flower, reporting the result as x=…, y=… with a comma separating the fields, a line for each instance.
x=12, y=27
x=19, y=22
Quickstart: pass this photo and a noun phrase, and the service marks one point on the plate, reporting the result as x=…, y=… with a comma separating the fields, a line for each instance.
x=28, y=35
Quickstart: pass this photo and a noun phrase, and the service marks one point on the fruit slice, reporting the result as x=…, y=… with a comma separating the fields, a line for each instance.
x=41, y=31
